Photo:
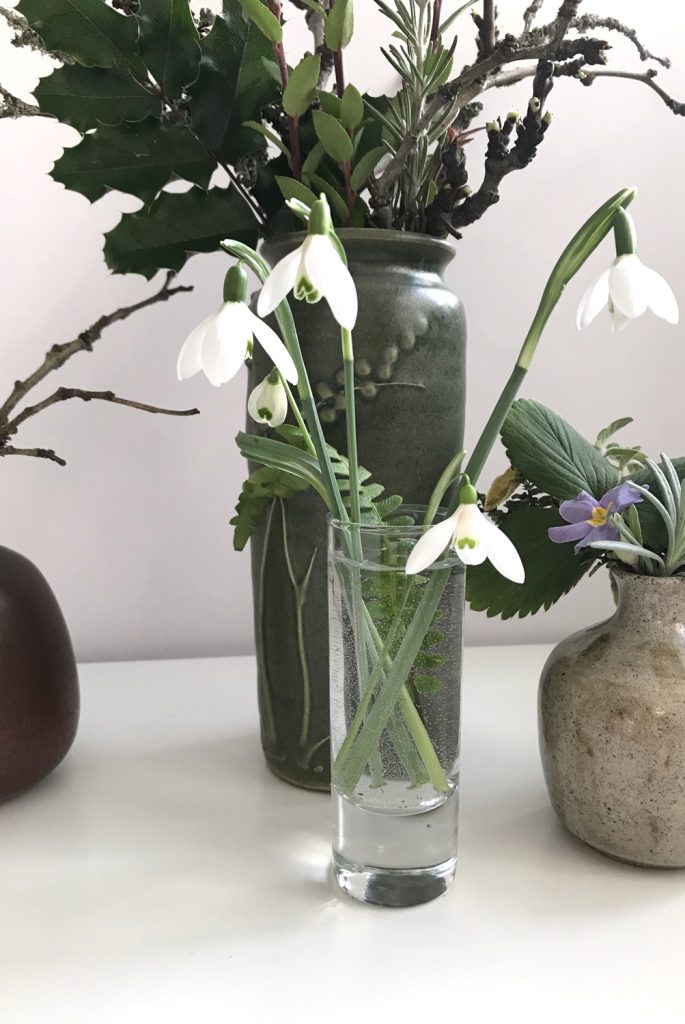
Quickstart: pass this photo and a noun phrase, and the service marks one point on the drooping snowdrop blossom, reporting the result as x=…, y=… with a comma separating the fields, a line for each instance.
x=314, y=271
x=268, y=402
x=221, y=343
x=590, y=520
x=627, y=287
x=472, y=536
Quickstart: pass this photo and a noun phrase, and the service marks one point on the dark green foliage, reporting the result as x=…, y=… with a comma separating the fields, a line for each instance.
x=552, y=570
x=169, y=44
x=88, y=97
x=138, y=159
x=259, y=490
x=88, y=30
x=176, y=225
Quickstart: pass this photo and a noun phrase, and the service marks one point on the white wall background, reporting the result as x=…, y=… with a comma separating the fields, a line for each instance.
x=133, y=534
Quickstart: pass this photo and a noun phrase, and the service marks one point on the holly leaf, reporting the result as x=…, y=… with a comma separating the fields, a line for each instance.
x=88, y=97
x=88, y=30
x=169, y=43
x=138, y=159
x=552, y=570
x=238, y=76
x=175, y=226
x=259, y=490
x=548, y=451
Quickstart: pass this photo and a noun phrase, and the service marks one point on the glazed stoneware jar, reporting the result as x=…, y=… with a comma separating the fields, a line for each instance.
x=612, y=725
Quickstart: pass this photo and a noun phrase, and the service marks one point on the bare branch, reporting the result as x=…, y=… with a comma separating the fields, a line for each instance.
x=567, y=12
x=646, y=77
x=487, y=28
x=12, y=106
x=36, y=453
x=64, y=394
x=59, y=354
x=530, y=14
x=590, y=22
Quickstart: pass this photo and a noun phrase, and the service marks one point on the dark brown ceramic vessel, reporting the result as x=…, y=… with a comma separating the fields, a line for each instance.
x=39, y=695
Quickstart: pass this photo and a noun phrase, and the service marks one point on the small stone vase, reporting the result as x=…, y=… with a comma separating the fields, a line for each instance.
x=39, y=695
x=612, y=725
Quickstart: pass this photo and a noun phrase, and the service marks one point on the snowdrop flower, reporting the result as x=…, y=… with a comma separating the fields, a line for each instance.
x=473, y=537
x=268, y=402
x=221, y=343
x=315, y=270
x=628, y=287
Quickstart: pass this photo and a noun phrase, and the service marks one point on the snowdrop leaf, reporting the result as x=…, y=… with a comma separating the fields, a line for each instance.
x=88, y=30
x=88, y=97
x=552, y=570
x=138, y=159
x=238, y=76
x=169, y=43
x=175, y=226
x=300, y=92
x=332, y=136
x=547, y=450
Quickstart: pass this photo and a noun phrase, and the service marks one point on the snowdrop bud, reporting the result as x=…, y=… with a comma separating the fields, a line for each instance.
x=468, y=495
x=235, y=284
x=320, y=222
x=625, y=235
x=268, y=402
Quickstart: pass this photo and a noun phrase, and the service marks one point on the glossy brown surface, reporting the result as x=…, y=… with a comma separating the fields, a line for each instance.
x=39, y=696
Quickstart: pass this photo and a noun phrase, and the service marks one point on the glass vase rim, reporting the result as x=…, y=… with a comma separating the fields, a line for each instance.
x=383, y=529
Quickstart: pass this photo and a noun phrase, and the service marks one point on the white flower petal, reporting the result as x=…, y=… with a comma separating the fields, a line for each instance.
x=190, y=357
x=268, y=396
x=280, y=281
x=593, y=301
x=629, y=286
x=273, y=346
x=225, y=343
x=471, y=555
x=331, y=278
x=618, y=321
x=662, y=301
x=430, y=546
x=503, y=554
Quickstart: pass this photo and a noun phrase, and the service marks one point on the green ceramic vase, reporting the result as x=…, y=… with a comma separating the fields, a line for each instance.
x=410, y=346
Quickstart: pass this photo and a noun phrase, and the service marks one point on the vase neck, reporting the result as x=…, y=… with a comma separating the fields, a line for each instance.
x=650, y=599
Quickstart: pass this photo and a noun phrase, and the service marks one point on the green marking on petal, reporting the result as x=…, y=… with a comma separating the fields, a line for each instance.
x=467, y=542
x=304, y=289
x=265, y=414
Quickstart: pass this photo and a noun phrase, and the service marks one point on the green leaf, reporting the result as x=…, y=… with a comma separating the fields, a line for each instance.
x=332, y=136
x=88, y=97
x=314, y=158
x=88, y=30
x=330, y=103
x=175, y=226
x=547, y=451
x=261, y=16
x=169, y=43
x=339, y=25
x=613, y=428
x=269, y=136
x=282, y=456
x=552, y=570
x=336, y=201
x=293, y=189
x=138, y=159
x=300, y=92
x=365, y=167
x=351, y=108
x=651, y=524
x=258, y=491
x=238, y=76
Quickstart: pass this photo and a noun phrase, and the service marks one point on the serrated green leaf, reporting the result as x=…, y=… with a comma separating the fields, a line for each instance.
x=169, y=44
x=332, y=136
x=427, y=685
x=548, y=451
x=266, y=22
x=138, y=159
x=238, y=76
x=88, y=97
x=258, y=491
x=351, y=108
x=175, y=226
x=339, y=25
x=293, y=189
x=365, y=167
x=300, y=92
x=88, y=30
x=552, y=570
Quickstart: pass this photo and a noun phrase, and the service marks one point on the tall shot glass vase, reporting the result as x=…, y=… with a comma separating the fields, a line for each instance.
x=396, y=656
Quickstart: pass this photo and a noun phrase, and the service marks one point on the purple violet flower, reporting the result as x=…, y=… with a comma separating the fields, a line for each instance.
x=589, y=519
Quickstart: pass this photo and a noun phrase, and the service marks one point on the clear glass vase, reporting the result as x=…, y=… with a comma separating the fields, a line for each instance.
x=396, y=655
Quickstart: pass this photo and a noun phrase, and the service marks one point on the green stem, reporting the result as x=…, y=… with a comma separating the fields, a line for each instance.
x=351, y=426
x=447, y=478
x=298, y=417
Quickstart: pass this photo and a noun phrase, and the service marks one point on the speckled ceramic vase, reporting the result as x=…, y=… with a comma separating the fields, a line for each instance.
x=410, y=366
x=612, y=726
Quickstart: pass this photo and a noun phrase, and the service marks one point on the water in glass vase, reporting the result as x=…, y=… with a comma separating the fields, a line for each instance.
x=396, y=649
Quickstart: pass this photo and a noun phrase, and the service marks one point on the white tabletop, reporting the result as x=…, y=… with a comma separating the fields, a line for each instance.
x=162, y=875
